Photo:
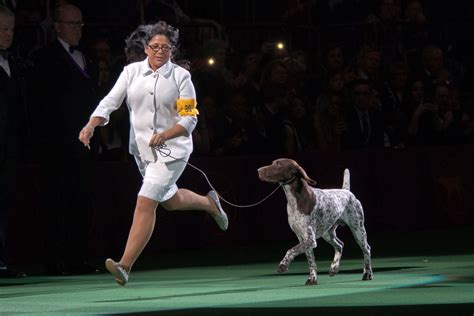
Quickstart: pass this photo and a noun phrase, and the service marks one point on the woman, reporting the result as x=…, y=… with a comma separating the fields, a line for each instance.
x=161, y=99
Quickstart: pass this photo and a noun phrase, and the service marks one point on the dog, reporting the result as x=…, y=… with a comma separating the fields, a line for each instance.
x=315, y=213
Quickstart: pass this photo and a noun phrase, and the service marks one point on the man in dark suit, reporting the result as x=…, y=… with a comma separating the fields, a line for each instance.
x=67, y=93
x=11, y=114
x=365, y=126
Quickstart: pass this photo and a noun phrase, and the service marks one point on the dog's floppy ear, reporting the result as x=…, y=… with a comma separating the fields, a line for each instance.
x=304, y=176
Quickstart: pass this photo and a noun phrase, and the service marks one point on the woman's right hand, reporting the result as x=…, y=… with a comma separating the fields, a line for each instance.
x=86, y=134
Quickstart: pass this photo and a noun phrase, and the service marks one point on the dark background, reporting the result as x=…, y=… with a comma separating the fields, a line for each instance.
x=413, y=190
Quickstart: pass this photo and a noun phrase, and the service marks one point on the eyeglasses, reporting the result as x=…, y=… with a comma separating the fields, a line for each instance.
x=156, y=48
x=73, y=24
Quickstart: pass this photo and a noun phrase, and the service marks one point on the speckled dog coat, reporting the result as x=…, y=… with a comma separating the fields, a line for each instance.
x=315, y=213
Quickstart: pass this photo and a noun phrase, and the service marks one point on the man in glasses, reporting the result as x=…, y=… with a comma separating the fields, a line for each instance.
x=66, y=92
x=68, y=27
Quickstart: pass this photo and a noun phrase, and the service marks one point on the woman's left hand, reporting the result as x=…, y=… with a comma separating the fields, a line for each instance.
x=158, y=139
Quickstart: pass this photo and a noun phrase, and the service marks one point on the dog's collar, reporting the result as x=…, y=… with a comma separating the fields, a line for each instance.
x=289, y=181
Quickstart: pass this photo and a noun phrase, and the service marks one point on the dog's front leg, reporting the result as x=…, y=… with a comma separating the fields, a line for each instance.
x=292, y=253
x=308, y=243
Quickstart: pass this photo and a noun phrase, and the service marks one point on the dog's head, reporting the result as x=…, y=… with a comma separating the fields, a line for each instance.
x=283, y=171
x=288, y=172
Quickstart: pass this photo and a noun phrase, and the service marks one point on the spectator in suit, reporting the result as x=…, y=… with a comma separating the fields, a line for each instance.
x=365, y=128
x=11, y=116
x=67, y=89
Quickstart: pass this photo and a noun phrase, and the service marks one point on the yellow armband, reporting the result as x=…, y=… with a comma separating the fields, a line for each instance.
x=186, y=107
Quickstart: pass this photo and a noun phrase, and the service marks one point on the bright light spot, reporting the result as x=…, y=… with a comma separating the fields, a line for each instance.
x=211, y=61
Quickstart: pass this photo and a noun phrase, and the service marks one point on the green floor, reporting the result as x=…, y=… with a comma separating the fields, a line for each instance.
x=424, y=285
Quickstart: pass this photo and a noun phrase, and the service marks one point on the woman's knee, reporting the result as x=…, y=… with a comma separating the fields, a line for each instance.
x=146, y=204
x=174, y=203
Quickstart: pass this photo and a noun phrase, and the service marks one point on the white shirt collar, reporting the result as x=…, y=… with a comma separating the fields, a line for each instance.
x=164, y=70
x=5, y=65
x=64, y=44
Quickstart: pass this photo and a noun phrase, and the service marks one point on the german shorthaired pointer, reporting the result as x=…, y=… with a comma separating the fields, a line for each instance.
x=315, y=213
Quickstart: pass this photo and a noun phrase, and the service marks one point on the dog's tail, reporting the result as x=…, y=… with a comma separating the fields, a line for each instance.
x=346, y=182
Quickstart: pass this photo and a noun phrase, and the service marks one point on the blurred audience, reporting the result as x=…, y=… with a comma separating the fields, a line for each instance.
x=282, y=96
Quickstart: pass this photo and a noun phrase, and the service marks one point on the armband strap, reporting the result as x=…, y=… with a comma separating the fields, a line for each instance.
x=186, y=107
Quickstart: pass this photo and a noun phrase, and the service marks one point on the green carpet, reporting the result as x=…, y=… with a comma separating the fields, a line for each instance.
x=424, y=285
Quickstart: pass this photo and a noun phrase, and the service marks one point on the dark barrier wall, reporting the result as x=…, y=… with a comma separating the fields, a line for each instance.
x=408, y=189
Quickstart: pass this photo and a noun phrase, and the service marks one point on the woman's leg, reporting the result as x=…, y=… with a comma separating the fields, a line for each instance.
x=188, y=200
x=142, y=228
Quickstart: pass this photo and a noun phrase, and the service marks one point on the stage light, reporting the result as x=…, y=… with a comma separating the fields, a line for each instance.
x=210, y=61
x=280, y=45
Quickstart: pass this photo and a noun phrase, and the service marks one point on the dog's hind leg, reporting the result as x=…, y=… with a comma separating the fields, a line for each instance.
x=361, y=238
x=358, y=230
x=313, y=269
x=331, y=238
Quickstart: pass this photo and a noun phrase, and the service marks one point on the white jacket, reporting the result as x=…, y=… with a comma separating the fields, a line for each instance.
x=151, y=100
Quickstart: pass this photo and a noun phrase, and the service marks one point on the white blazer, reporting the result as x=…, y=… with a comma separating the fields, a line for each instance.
x=151, y=100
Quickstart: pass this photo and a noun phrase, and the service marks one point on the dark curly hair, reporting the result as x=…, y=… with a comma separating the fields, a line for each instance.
x=163, y=28
x=138, y=39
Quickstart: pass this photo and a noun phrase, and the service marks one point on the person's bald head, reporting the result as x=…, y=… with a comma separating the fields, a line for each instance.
x=68, y=23
x=7, y=25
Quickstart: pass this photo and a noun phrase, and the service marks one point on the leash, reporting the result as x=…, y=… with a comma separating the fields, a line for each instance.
x=166, y=152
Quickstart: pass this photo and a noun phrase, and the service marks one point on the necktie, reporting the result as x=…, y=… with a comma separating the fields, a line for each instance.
x=73, y=48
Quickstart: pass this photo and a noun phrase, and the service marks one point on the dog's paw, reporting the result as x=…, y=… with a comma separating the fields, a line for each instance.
x=333, y=271
x=367, y=276
x=282, y=268
x=311, y=281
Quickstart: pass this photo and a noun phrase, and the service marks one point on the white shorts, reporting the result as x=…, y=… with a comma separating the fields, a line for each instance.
x=159, y=181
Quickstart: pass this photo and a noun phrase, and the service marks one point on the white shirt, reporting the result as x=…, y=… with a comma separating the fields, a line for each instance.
x=151, y=99
x=76, y=55
x=5, y=65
